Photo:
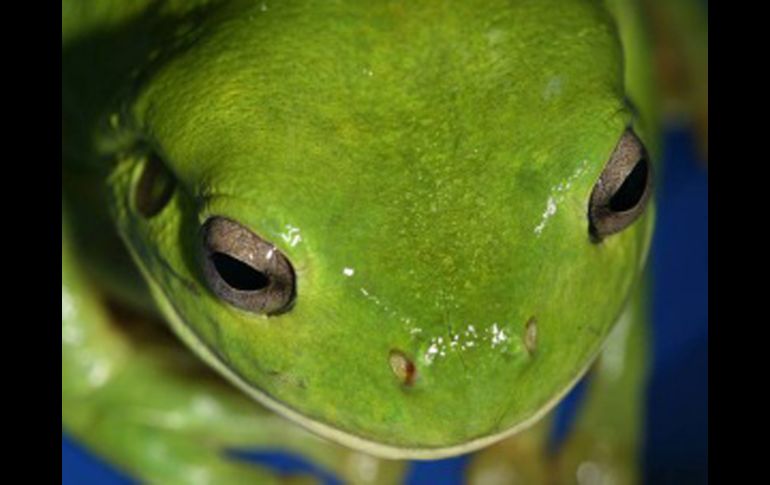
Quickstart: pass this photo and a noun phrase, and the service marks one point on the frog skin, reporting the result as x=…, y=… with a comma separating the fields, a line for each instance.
x=408, y=227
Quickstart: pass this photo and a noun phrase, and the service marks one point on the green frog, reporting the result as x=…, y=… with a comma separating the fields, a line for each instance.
x=362, y=232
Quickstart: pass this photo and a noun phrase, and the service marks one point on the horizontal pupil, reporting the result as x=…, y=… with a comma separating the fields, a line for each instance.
x=631, y=191
x=237, y=274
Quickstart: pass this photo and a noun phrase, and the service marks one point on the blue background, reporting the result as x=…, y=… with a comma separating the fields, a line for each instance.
x=676, y=444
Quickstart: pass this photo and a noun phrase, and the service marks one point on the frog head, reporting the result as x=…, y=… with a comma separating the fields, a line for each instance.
x=409, y=228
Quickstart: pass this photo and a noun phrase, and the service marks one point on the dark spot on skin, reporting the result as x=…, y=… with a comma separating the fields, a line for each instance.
x=403, y=367
x=530, y=335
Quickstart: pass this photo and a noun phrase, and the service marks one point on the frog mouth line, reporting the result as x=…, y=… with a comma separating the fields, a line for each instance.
x=356, y=442
x=324, y=430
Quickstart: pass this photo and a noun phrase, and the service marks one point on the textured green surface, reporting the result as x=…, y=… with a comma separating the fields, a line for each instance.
x=425, y=166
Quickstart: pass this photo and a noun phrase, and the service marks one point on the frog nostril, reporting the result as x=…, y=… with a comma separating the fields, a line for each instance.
x=403, y=367
x=244, y=270
x=530, y=335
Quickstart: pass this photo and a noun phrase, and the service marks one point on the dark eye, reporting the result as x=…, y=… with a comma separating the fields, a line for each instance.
x=155, y=187
x=623, y=190
x=245, y=270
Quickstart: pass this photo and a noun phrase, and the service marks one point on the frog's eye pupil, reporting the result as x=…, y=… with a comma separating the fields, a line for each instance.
x=631, y=192
x=623, y=189
x=155, y=187
x=244, y=270
x=238, y=275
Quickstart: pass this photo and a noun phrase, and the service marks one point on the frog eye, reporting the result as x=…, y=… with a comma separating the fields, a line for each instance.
x=154, y=188
x=623, y=190
x=244, y=270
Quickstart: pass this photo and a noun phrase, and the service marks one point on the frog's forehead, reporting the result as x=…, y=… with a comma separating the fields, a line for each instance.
x=432, y=137
x=303, y=87
x=427, y=171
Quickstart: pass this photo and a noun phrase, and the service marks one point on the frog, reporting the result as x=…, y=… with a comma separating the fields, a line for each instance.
x=361, y=232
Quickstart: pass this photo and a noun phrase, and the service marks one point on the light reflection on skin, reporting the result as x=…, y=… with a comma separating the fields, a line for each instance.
x=556, y=196
x=292, y=236
x=496, y=334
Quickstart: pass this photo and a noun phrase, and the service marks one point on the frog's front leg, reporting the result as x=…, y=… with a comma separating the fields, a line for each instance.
x=134, y=395
x=604, y=441
x=519, y=459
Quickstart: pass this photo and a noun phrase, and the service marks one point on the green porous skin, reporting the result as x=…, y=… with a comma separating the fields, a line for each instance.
x=425, y=167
